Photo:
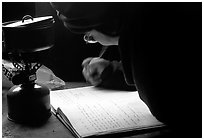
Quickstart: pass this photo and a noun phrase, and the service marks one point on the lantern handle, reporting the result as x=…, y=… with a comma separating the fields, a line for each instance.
x=26, y=17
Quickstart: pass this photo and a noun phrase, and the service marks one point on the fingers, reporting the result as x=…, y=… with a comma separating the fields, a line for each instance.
x=89, y=71
x=93, y=68
x=86, y=61
x=85, y=74
x=91, y=75
x=95, y=82
x=91, y=61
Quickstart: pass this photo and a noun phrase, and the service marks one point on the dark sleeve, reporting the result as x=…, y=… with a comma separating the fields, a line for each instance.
x=114, y=79
x=160, y=46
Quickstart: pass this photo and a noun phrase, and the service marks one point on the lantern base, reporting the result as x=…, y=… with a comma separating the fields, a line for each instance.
x=29, y=104
x=30, y=120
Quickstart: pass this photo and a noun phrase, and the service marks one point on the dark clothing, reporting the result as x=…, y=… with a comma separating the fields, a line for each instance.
x=85, y=16
x=161, y=50
x=161, y=46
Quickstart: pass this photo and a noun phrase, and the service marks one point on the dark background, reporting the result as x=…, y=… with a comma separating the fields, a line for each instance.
x=65, y=58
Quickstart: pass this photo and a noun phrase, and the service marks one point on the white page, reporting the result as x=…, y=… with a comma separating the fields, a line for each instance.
x=93, y=111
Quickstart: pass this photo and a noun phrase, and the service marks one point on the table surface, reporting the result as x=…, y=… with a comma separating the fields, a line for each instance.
x=53, y=128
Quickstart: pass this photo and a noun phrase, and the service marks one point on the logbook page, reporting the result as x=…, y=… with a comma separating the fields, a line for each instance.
x=94, y=111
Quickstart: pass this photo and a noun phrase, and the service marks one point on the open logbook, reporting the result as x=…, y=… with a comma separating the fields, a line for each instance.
x=90, y=111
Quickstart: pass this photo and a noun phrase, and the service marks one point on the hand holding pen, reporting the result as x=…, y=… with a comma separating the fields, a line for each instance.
x=93, y=67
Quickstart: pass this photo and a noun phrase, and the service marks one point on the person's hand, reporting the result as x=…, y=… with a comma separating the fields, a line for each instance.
x=93, y=68
x=103, y=39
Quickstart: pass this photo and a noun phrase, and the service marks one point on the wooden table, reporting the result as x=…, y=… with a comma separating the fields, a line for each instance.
x=53, y=128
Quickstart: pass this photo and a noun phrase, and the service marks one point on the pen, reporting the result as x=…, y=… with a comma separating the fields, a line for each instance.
x=103, y=50
x=89, y=39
